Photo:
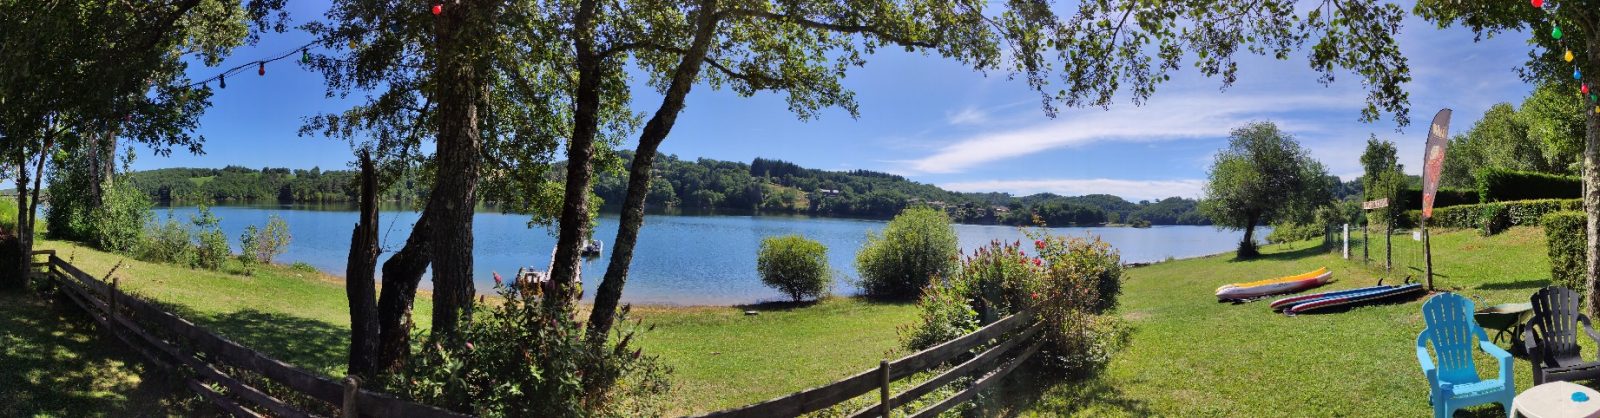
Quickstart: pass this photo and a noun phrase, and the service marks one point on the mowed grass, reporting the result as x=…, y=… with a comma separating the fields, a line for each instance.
x=1192, y=356
x=723, y=358
x=720, y=357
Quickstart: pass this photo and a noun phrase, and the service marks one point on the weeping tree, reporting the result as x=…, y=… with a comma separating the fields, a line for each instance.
x=1564, y=37
x=482, y=83
x=76, y=75
x=1072, y=55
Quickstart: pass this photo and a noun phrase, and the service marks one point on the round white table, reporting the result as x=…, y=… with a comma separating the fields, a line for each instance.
x=1554, y=400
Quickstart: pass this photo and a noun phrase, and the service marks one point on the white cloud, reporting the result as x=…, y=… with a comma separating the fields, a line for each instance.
x=1181, y=116
x=1133, y=190
x=967, y=116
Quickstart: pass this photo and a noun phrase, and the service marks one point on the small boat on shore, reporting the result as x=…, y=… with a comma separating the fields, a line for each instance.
x=592, y=248
x=1375, y=294
x=1287, y=284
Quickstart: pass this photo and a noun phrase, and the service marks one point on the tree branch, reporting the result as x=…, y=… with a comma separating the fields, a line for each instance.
x=862, y=29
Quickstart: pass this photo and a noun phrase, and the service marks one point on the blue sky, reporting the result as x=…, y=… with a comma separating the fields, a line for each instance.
x=939, y=122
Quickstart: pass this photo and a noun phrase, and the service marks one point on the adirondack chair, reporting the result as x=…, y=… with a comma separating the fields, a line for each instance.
x=1454, y=384
x=1551, y=337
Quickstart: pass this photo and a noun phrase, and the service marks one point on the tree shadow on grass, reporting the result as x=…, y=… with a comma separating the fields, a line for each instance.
x=1290, y=255
x=1031, y=390
x=1516, y=285
x=313, y=345
x=776, y=306
x=54, y=360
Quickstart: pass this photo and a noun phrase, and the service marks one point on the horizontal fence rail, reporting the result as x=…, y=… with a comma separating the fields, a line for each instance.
x=832, y=394
x=130, y=319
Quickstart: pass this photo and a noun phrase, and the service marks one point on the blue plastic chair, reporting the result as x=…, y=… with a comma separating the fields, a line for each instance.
x=1454, y=384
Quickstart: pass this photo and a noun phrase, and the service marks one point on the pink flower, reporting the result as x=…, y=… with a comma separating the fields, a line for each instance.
x=469, y=345
x=497, y=281
x=1038, y=262
x=1039, y=244
x=1035, y=295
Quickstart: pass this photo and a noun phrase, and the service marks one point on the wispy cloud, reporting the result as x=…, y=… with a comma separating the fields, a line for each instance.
x=1179, y=116
x=967, y=116
x=1134, y=190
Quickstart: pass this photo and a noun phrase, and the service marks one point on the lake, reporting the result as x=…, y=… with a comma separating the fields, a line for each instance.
x=679, y=259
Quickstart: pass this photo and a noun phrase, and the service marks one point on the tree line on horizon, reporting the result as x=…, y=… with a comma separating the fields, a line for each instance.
x=764, y=185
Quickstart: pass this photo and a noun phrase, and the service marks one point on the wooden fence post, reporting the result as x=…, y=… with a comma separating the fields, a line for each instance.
x=352, y=386
x=883, y=392
x=111, y=299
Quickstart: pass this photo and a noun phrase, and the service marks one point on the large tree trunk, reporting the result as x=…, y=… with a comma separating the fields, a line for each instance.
x=18, y=276
x=1591, y=207
x=639, y=175
x=358, y=277
x=401, y=274
x=574, y=220
x=454, y=195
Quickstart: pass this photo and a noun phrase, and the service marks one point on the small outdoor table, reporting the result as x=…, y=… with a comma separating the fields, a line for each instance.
x=1556, y=400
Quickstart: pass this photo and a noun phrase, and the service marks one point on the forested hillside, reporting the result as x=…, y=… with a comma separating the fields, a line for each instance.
x=764, y=185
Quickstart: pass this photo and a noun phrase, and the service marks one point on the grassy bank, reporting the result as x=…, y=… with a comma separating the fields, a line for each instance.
x=1192, y=356
x=720, y=356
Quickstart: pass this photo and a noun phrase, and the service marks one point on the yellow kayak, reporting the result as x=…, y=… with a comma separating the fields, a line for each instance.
x=1259, y=288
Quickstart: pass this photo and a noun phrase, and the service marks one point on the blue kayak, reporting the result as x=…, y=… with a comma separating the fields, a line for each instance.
x=1283, y=303
x=1371, y=295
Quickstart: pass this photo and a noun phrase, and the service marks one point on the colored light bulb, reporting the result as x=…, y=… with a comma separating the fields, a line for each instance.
x=1568, y=56
x=353, y=44
x=261, y=68
x=1555, y=32
x=437, y=9
x=1584, y=88
x=222, y=81
x=1538, y=3
x=1577, y=74
x=305, y=56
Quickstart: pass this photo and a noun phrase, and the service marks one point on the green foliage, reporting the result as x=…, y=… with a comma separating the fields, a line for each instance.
x=1411, y=198
x=1493, y=218
x=1498, y=185
x=166, y=242
x=1566, y=242
x=1263, y=177
x=1383, y=177
x=1518, y=213
x=258, y=245
x=794, y=265
x=1291, y=232
x=916, y=246
x=118, y=222
x=1545, y=136
x=235, y=183
x=520, y=358
x=211, y=245
x=303, y=267
x=8, y=215
x=944, y=313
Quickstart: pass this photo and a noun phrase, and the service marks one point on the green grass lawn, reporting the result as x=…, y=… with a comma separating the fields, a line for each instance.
x=721, y=357
x=1192, y=356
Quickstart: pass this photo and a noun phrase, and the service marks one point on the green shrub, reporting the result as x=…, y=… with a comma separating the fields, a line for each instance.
x=260, y=246
x=8, y=214
x=519, y=358
x=1501, y=185
x=917, y=245
x=211, y=245
x=116, y=225
x=1291, y=232
x=166, y=242
x=1493, y=218
x=1565, y=239
x=794, y=265
x=1518, y=213
x=945, y=312
x=1441, y=198
x=302, y=266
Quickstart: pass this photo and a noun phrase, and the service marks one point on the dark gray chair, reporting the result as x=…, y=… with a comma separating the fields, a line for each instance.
x=1551, y=337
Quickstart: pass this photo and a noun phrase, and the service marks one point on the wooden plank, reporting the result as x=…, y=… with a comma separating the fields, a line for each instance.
x=984, y=383
x=949, y=350
x=44, y=252
x=106, y=325
x=228, y=352
x=1375, y=204
x=984, y=359
x=227, y=405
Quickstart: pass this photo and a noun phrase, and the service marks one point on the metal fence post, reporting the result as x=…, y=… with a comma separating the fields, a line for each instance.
x=883, y=391
x=352, y=386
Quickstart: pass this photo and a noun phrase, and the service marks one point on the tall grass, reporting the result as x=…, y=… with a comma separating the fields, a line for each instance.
x=8, y=213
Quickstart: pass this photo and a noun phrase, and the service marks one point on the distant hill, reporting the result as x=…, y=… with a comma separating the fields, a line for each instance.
x=764, y=185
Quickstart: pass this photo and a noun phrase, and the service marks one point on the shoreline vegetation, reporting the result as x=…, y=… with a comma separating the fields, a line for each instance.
x=764, y=186
x=721, y=357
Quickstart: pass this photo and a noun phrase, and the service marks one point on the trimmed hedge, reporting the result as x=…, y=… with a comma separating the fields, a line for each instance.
x=1565, y=239
x=1442, y=198
x=1519, y=213
x=1499, y=185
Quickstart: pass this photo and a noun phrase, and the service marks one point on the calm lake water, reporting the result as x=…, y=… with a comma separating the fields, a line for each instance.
x=680, y=259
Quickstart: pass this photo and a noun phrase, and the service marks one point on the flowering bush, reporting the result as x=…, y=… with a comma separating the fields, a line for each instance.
x=523, y=359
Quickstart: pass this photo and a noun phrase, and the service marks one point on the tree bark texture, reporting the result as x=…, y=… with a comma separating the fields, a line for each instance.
x=639, y=174
x=358, y=282
x=574, y=220
x=454, y=196
x=1591, y=208
x=401, y=274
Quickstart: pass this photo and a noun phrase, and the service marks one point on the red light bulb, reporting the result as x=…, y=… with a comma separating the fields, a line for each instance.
x=261, y=68
x=1538, y=3
x=439, y=8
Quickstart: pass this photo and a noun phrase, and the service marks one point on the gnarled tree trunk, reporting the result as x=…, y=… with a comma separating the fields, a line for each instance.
x=401, y=274
x=358, y=277
x=454, y=196
x=1591, y=208
x=574, y=220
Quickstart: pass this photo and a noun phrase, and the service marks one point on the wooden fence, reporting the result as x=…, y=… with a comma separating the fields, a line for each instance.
x=176, y=343
x=819, y=398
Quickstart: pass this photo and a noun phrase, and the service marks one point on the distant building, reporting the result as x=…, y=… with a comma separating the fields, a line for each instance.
x=1001, y=209
x=828, y=192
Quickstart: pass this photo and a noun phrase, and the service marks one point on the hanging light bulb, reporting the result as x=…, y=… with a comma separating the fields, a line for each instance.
x=1568, y=56
x=1594, y=97
x=261, y=68
x=1577, y=74
x=1584, y=88
x=353, y=43
x=1538, y=3
x=1555, y=32
x=222, y=81
x=438, y=8
x=305, y=56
